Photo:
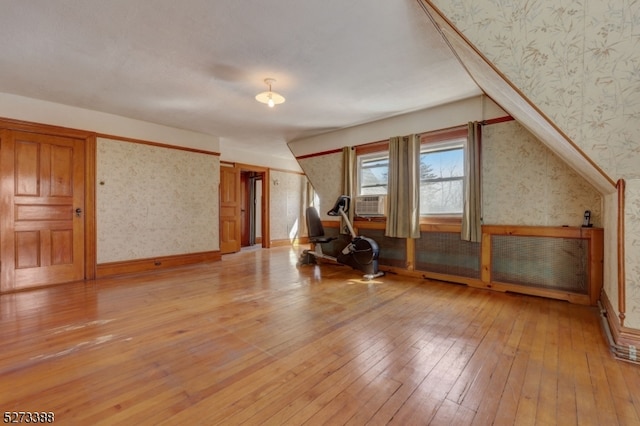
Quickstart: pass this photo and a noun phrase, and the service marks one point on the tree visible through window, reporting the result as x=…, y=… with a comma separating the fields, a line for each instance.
x=441, y=181
x=441, y=176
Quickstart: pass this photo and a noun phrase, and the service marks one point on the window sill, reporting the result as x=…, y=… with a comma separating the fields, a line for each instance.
x=440, y=220
x=379, y=219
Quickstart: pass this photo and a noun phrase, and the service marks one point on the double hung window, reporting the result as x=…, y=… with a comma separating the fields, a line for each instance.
x=441, y=174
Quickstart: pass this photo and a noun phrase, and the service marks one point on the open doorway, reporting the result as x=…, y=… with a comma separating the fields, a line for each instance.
x=253, y=207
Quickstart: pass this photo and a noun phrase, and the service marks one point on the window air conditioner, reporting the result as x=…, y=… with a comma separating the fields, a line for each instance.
x=371, y=205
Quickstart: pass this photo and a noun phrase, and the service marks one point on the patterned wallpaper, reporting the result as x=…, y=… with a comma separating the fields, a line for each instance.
x=524, y=183
x=325, y=174
x=154, y=201
x=578, y=62
x=632, y=251
x=287, y=195
x=610, y=286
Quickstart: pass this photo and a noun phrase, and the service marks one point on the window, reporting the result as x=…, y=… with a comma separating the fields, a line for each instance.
x=373, y=172
x=442, y=178
x=441, y=175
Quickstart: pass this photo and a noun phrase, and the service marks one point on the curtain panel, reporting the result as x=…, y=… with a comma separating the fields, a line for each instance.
x=306, y=201
x=471, y=211
x=310, y=194
x=403, y=194
x=348, y=184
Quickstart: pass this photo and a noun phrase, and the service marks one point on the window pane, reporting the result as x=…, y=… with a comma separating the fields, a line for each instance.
x=373, y=176
x=374, y=190
x=442, y=164
x=441, y=180
x=441, y=197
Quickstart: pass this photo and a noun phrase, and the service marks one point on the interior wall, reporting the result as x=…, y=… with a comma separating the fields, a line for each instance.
x=587, y=85
x=325, y=174
x=261, y=157
x=525, y=183
x=125, y=217
x=632, y=252
x=287, y=194
x=610, y=286
x=154, y=201
x=441, y=117
x=38, y=111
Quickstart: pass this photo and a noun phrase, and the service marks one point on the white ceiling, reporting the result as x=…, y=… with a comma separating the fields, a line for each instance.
x=197, y=64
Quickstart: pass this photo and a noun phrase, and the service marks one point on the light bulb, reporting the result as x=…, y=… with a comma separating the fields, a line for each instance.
x=270, y=98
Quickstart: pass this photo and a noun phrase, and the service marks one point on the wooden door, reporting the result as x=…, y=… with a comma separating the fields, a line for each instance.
x=42, y=209
x=230, y=202
x=245, y=209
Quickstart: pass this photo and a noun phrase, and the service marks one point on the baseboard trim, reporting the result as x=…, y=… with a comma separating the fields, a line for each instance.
x=627, y=340
x=287, y=242
x=161, y=262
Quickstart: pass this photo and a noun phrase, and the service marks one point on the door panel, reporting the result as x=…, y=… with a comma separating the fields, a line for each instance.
x=42, y=186
x=61, y=171
x=27, y=169
x=230, y=222
x=27, y=249
x=245, y=228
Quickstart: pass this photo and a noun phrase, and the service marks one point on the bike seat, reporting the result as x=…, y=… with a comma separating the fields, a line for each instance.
x=315, y=228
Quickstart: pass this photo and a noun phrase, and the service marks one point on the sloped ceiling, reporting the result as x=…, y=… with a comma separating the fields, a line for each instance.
x=496, y=85
x=197, y=64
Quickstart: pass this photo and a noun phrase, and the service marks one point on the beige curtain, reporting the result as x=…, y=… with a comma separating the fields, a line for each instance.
x=348, y=184
x=310, y=194
x=306, y=201
x=403, y=194
x=471, y=212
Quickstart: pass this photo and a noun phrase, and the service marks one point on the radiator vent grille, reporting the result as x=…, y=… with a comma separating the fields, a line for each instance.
x=393, y=251
x=544, y=262
x=446, y=253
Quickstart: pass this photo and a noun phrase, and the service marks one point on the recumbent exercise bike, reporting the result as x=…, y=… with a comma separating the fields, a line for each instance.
x=360, y=253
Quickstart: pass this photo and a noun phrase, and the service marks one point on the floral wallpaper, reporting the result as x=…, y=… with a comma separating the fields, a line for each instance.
x=610, y=286
x=325, y=174
x=154, y=201
x=287, y=196
x=524, y=183
x=579, y=63
x=632, y=251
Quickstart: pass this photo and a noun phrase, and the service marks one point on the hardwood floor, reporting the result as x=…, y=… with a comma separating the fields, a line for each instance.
x=254, y=340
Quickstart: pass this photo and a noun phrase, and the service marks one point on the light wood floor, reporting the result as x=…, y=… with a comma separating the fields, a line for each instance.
x=254, y=340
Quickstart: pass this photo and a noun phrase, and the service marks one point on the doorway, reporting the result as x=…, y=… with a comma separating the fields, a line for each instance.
x=244, y=207
x=253, y=211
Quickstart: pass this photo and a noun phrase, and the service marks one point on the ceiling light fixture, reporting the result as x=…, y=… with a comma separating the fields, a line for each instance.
x=270, y=98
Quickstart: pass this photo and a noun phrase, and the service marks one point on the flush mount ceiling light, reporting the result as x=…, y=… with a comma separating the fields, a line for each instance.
x=270, y=98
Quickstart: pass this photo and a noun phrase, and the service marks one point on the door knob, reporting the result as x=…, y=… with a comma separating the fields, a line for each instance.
x=78, y=212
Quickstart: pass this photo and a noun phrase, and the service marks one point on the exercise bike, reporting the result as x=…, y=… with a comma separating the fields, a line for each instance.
x=360, y=253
